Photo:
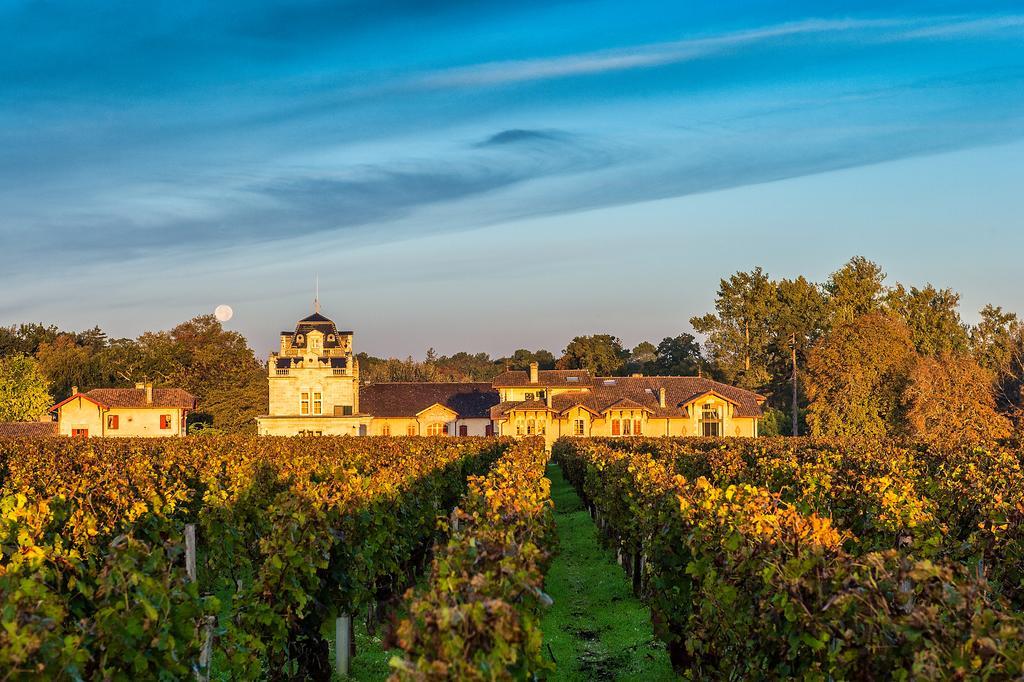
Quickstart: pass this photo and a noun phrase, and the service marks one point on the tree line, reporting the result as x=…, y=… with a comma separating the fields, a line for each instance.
x=848, y=356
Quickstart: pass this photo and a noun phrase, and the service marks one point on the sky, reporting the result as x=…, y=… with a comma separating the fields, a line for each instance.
x=489, y=176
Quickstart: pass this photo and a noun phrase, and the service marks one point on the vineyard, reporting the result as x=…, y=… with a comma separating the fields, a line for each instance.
x=290, y=534
x=782, y=558
x=251, y=558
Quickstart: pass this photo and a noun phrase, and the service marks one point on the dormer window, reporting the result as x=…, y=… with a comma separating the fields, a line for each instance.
x=330, y=338
x=299, y=339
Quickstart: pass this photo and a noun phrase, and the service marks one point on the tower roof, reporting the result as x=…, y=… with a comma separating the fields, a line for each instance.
x=316, y=322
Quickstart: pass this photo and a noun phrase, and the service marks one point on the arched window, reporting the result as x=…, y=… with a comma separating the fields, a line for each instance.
x=437, y=429
x=385, y=430
x=410, y=430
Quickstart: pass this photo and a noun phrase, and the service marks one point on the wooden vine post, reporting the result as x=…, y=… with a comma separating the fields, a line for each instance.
x=342, y=643
x=206, y=654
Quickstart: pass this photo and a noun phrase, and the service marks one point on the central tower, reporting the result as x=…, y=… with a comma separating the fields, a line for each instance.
x=314, y=382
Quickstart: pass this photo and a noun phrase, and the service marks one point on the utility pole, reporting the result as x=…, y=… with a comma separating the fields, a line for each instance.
x=796, y=409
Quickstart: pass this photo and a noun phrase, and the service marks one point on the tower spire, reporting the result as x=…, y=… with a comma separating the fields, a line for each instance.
x=316, y=293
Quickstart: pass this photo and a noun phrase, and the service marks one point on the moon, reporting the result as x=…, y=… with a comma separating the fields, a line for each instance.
x=223, y=313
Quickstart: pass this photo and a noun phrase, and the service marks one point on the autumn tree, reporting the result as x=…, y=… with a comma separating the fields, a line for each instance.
x=950, y=403
x=66, y=363
x=856, y=376
x=601, y=354
x=739, y=331
x=23, y=389
x=933, y=317
x=854, y=290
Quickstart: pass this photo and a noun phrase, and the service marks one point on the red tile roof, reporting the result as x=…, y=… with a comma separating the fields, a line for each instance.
x=27, y=429
x=470, y=400
x=545, y=377
x=136, y=397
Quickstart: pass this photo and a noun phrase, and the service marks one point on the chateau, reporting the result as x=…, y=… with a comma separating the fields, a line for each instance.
x=315, y=390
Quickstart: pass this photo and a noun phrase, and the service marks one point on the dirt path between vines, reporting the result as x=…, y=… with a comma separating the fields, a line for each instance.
x=596, y=629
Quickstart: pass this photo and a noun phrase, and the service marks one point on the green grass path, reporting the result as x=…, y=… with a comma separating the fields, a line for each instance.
x=596, y=629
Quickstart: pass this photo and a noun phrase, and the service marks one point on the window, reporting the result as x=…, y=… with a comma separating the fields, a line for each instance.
x=627, y=427
x=529, y=396
x=578, y=427
x=616, y=427
x=541, y=427
x=318, y=402
x=346, y=411
x=572, y=380
x=463, y=430
x=165, y=421
x=385, y=430
x=489, y=430
x=304, y=403
x=520, y=425
x=410, y=430
x=541, y=395
x=636, y=427
x=436, y=429
x=112, y=422
x=311, y=433
x=79, y=433
x=711, y=420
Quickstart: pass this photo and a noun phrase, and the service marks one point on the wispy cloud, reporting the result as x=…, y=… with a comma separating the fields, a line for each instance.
x=691, y=49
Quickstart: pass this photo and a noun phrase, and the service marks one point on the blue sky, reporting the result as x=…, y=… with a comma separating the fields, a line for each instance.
x=488, y=176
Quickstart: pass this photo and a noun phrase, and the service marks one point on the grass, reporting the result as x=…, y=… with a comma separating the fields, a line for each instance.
x=596, y=629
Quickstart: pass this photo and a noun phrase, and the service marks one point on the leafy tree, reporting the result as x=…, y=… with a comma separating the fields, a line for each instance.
x=856, y=376
x=66, y=363
x=641, y=358
x=798, y=317
x=932, y=316
x=601, y=354
x=855, y=289
x=25, y=339
x=677, y=356
x=739, y=334
x=522, y=358
x=950, y=404
x=23, y=389
x=992, y=338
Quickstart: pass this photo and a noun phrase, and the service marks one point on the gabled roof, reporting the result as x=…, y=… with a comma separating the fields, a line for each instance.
x=28, y=429
x=83, y=396
x=626, y=404
x=433, y=405
x=135, y=397
x=469, y=400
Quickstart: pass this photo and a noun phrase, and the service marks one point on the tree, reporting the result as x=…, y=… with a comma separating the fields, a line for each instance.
x=65, y=363
x=992, y=338
x=522, y=358
x=739, y=334
x=641, y=358
x=23, y=389
x=854, y=290
x=950, y=403
x=856, y=376
x=932, y=316
x=677, y=356
x=798, y=317
x=601, y=354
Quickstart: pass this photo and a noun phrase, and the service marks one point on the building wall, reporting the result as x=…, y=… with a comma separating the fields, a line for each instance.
x=400, y=426
x=325, y=426
x=133, y=422
x=552, y=426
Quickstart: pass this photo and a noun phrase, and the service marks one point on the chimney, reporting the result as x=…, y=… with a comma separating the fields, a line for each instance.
x=149, y=393
x=547, y=397
x=74, y=390
x=533, y=372
x=661, y=397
